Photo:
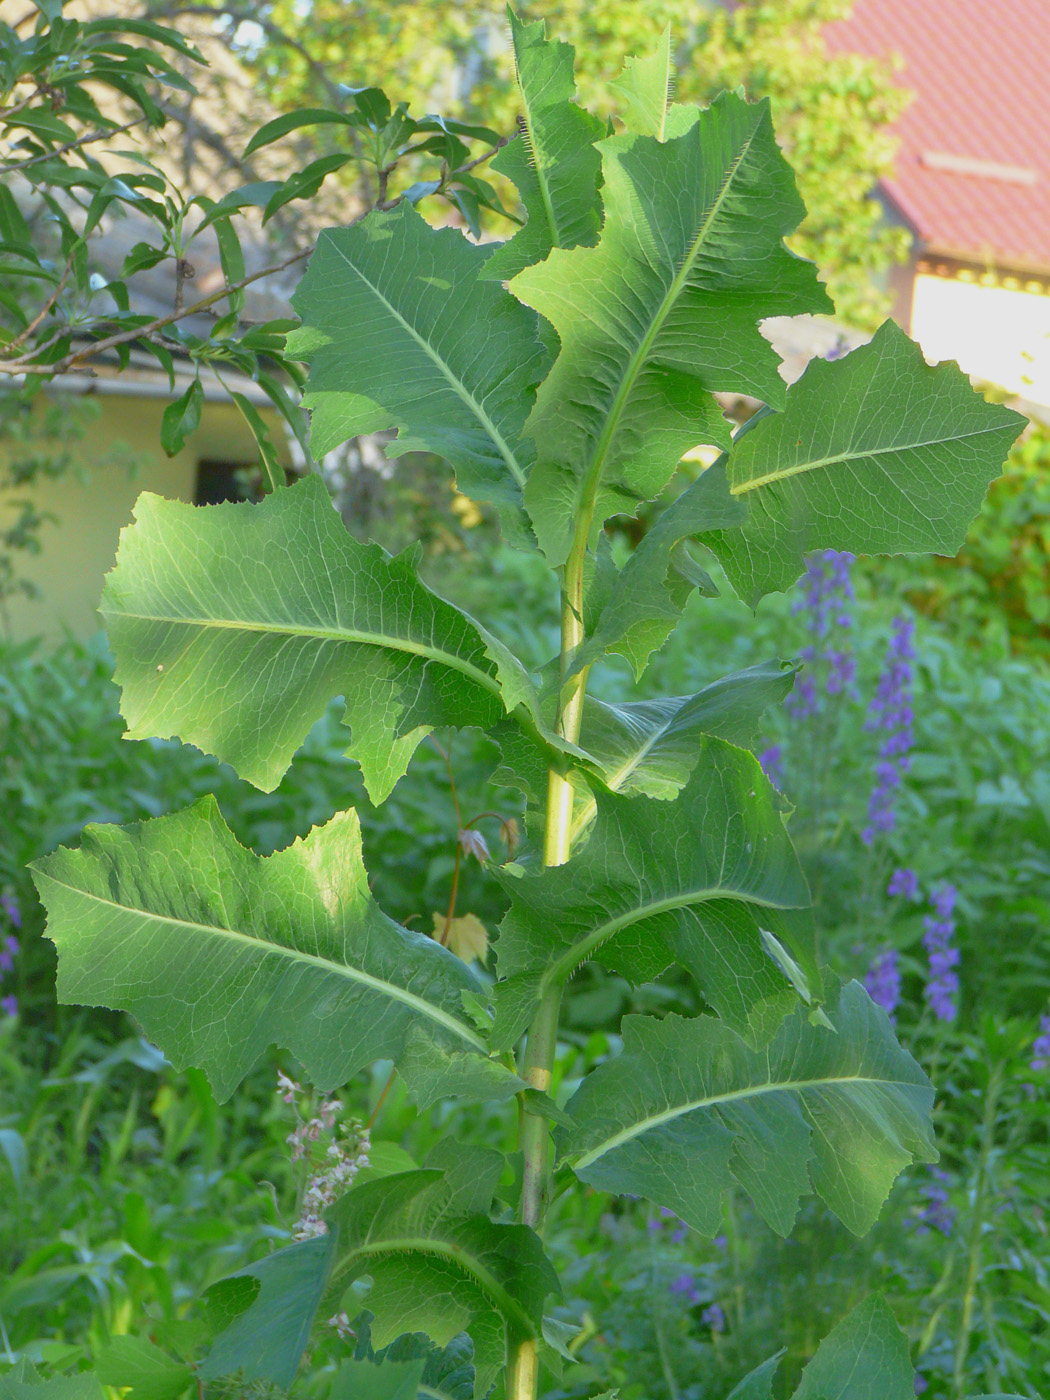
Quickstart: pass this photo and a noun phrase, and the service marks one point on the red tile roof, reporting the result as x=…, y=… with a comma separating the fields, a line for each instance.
x=972, y=175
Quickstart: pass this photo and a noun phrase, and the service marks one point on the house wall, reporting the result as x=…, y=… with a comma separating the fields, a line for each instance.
x=993, y=326
x=118, y=458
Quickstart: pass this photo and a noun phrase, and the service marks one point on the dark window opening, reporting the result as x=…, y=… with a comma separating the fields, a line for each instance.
x=226, y=481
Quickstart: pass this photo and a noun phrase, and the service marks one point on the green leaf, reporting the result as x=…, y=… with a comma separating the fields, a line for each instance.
x=646, y=84
x=289, y=949
x=79, y=1387
x=650, y=746
x=272, y=470
x=758, y=1385
x=367, y=1380
x=437, y=1265
x=648, y=596
x=144, y=1368
x=269, y=1309
x=877, y=452
x=688, y=1107
x=181, y=418
x=234, y=625
x=554, y=161
x=659, y=882
x=12, y=1145
x=292, y=121
x=864, y=1358
x=400, y=333
x=693, y=226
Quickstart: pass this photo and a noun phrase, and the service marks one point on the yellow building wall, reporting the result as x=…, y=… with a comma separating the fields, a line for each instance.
x=118, y=458
x=997, y=333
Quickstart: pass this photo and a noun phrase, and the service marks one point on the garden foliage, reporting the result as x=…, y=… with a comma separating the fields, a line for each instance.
x=564, y=397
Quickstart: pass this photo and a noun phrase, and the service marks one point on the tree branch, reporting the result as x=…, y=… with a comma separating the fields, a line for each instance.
x=6, y=170
x=24, y=335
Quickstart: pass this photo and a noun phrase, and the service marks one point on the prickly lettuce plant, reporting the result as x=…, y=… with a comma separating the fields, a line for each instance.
x=562, y=374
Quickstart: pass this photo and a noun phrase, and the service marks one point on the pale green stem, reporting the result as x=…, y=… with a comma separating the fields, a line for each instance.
x=973, y=1268
x=523, y=1375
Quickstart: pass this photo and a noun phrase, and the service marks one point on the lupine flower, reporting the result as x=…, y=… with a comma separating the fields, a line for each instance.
x=714, y=1318
x=685, y=1286
x=921, y=1383
x=11, y=908
x=826, y=591
x=904, y=883
x=883, y=982
x=943, y=985
x=1041, y=1046
x=9, y=1006
x=891, y=713
x=935, y=1213
x=8, y=949
x=771, y=761
x=665, y=1216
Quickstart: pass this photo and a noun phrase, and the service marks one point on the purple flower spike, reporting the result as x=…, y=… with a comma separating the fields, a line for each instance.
x=883, y=982
x=825, y=594
x=891, y=713
x=942, y=987
x=921, y=1383
x=1041, y=1046
x=9, y=1006
x=904, y=883
x=714, y=1318
x=935, y=1213
x=771, y=761
x=685, y=1286
x=11, y=908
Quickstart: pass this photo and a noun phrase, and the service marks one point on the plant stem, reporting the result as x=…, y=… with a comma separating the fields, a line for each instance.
x=973, y=1268
x=523, y=1376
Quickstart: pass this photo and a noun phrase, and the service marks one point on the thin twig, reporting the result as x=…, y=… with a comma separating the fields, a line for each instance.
x=23, y=336
x=6, y=113
x=485, y=155
x=143, y=332
x=69, y=146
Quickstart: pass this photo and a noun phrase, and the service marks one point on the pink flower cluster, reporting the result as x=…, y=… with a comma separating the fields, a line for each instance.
x=332, y=1168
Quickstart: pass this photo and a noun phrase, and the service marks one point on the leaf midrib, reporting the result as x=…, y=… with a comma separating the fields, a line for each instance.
x=454, y=1254
x=457, y=384
x=324, y=634
x=853, y=455
x=636, y=364
x=352, y=974
x=796, y=1086
x=566, y=965
x=619, y=776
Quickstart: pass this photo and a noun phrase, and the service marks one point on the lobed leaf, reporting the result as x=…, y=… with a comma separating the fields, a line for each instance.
x=220, y=953
x=651, y=746
x=437, y=1265
x=661, y=313
x=401, y=332
x=554, y=162
x=689, y=1106
x=646, y=599
x=234, y=625
x=657, y=882
x=878, y=453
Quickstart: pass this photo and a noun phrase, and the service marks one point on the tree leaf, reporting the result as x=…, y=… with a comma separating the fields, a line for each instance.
x=399, y=332
x=689, y=1106
x=234, y=625
x=647, y=597
x=758, y=1384
x=877, y=452
x=554, y=161
x=220, y=953
x=467, y=936
x=693, y=227
x=659, y=882
x=864, y=1358
x=181, y=418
